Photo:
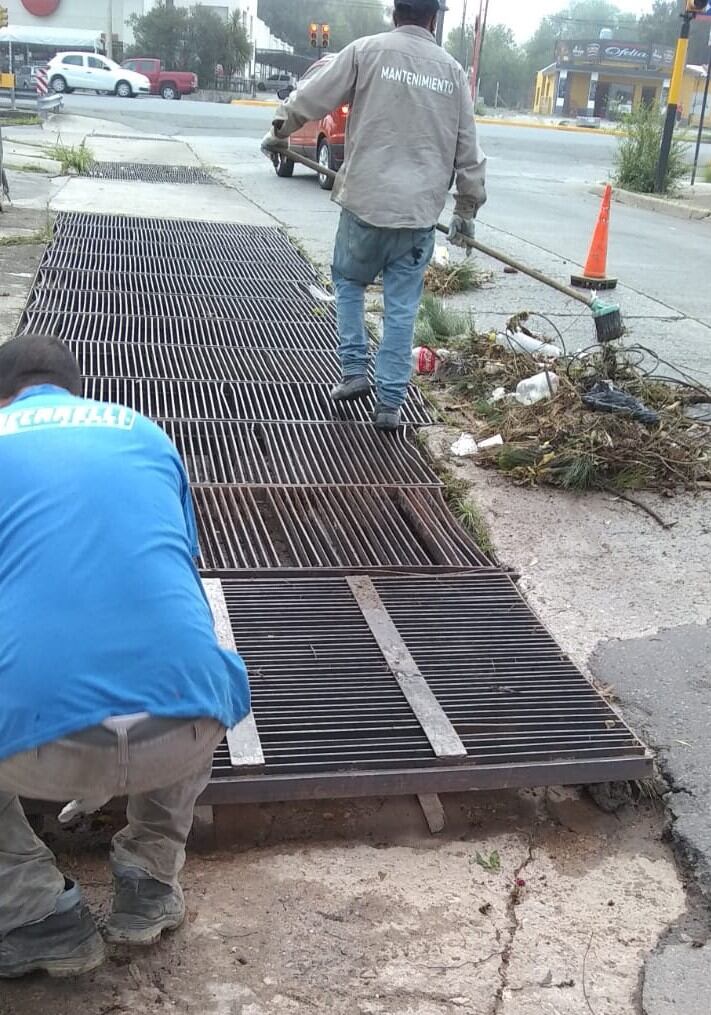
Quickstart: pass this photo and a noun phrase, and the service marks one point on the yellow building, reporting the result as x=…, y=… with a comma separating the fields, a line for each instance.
x=606, y=78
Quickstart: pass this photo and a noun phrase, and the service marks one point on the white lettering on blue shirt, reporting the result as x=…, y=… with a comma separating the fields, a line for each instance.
x=116, y=417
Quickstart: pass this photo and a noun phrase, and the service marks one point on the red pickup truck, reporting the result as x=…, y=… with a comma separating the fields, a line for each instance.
x=171, y=84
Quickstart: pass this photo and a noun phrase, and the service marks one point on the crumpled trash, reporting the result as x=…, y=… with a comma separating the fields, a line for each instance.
x=700, y=412
x=76, y=809
x=464, y=445
x=605, y=397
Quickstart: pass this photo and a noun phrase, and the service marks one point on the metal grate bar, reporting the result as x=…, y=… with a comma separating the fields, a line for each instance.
x=329, y=527
x=240, y=402
x=203, y=362
x=147, y=173
x=192, y=331
x=166, y=305
x=51, y=279
x=297, y=454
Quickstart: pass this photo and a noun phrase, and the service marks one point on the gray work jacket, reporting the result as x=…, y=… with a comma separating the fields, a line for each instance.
x=410, y=126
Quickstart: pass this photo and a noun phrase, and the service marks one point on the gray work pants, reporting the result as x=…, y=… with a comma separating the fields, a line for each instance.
x=161, y=765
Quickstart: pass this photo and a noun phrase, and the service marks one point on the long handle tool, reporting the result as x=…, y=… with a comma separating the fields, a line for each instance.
x=607, y=316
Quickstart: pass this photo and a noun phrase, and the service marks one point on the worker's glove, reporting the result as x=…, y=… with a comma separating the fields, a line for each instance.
x=461, y=229
x=273, y=145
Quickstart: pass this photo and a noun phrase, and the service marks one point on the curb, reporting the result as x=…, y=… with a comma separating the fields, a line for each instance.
x=253, y=102
x=661, y=205
x=569, y=128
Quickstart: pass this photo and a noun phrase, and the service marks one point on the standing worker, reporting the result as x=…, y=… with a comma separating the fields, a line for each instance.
x=112, y=681
x=411, y=125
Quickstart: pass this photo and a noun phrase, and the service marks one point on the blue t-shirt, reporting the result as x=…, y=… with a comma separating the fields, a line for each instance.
x=102, y=611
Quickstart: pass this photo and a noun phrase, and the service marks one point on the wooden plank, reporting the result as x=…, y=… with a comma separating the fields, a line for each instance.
x=433, y=811
x=243, y=739
x=437, y=728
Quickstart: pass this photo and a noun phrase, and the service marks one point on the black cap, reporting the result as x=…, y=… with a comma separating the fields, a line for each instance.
x=420, y=6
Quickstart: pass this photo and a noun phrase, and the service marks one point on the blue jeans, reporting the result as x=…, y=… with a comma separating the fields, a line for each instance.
x=402, y=255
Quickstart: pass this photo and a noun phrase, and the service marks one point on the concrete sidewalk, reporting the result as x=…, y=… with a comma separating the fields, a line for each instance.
x=692, y=203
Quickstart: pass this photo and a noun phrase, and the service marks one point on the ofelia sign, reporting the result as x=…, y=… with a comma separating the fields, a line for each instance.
x=611, y=51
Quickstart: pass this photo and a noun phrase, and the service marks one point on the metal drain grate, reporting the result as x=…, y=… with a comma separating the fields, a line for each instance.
x=240, y=402
x=336, y=527
x=72, y=256
x=192, y=331
x=297, y=454
x=220, y=235
x=164, y=305
x=179, y=285
x=203, y=362
x=209, y=256
x=325, y=703
x=147, y=173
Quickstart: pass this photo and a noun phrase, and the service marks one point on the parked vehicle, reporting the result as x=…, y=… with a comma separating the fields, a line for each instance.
x=321, y=140
x=276, y=81
x=89, y=71
x=171, y=84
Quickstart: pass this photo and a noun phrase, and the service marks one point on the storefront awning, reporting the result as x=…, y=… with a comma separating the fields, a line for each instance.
x=58, y=38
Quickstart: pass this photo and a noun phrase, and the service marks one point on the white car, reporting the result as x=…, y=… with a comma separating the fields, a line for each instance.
x=67, y=71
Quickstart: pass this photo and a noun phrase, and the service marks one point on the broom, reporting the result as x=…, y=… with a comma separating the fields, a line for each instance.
x=607, y=316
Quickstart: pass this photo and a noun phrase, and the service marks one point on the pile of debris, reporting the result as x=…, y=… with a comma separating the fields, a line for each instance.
x=600, y=419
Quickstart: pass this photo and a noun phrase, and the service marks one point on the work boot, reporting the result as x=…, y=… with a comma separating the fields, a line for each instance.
x=351, y=389
x=142, y=908
x=386, y=417
x=65, y=943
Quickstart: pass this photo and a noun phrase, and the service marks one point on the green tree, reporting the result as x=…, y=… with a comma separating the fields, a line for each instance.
x=290, y=20
x=460, y=45
x=238, y=48
x=206, y=43
x=161, y=33
x=662, y=23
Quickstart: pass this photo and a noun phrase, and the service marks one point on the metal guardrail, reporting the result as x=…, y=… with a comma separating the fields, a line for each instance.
x=50, y=103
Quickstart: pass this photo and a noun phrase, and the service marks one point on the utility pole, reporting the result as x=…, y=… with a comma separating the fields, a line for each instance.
x=702, y=120
x=463, y=37
x=693, y=7
x=439, y=31
x=478, y=43
x=110, y=31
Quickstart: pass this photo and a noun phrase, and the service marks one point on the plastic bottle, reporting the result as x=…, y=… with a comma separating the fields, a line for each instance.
x=517, y=341
x=424, y=360
x=537, y=388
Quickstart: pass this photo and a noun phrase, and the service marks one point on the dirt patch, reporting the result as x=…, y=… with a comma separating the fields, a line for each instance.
x=380, y=918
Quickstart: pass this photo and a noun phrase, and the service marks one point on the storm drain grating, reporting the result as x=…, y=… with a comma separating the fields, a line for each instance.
x=177, y=285
x=124, y=304
x=205, y=256
x=324, y=701
x=240, y=401
x=203, y=362
x=417, y=667
x=336, y=527
x=147, y=173
x=297, y=454
x=74, y=257
x=192, y=331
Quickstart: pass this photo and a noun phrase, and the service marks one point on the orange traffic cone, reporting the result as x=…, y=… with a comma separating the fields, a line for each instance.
x=595, y=273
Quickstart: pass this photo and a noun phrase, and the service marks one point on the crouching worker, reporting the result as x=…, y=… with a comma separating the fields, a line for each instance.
x=112, y=682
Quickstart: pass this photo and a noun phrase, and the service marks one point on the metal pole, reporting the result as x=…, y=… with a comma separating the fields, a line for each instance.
x=463, y=38
x=12, y=72
x=702, y=120
x=439, y=31
x=682, y=49
x=478, y=43
x=110, y=32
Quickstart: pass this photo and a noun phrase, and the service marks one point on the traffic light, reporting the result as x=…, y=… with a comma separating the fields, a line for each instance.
x=325, y=36
x=3, y=17
x=697, y=6
x=313, y=31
